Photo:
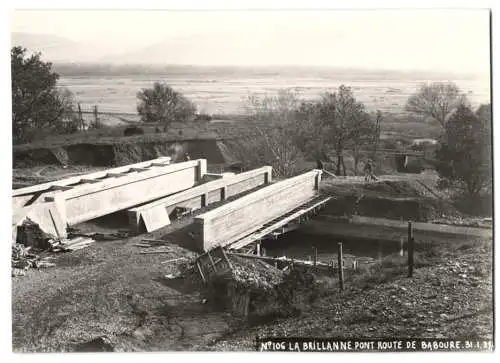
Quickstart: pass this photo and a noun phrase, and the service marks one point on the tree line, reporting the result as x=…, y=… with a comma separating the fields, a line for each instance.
x=287, y=129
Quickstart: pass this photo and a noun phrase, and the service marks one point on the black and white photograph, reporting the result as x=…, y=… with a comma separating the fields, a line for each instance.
x=251, y=180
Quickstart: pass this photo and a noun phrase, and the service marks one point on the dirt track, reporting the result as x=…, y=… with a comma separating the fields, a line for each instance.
x=111, y=289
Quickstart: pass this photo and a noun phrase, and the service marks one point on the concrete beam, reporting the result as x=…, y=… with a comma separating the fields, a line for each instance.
x=245, y=215
x=198, y=197
x=88, y=201
x=162, y=161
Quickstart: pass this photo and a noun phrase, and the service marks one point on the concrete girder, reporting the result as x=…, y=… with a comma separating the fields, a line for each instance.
x=200, y=196
x=245, y=215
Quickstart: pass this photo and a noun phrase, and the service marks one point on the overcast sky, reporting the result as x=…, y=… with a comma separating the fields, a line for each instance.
x=453, y=40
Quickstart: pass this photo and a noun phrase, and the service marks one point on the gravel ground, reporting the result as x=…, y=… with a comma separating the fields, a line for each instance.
x=450, y=299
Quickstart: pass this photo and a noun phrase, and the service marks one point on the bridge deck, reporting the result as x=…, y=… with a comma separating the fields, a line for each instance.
x=281, y=224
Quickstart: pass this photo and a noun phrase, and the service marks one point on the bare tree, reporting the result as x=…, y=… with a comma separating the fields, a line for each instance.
x=436, y=100
x=275, y=133
x=348, y=125
x=363, y=133
x=287, y=130
x=376, y=133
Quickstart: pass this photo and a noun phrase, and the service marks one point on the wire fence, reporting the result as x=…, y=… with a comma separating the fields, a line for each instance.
x=82, y=111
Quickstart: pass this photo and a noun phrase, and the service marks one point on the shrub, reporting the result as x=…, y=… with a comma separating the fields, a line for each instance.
x=203, y=117
x=162, y=104
x=133, y=130
x=464, y=154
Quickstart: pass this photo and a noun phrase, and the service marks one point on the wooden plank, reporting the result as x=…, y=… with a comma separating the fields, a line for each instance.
x=154, y=240
x=272, y=260
x=271, y=227
x=211, y=260
x=173, y=260
x=201, y=272
x=226, y=259
x=156, y=251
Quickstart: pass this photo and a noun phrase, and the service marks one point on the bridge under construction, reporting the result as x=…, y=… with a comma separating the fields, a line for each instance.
x=249, y=206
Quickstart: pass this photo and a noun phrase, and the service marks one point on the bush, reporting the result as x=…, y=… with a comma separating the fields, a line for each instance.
x=162, y=104
x=203, y=117
x=464, y=154
x=133, y=130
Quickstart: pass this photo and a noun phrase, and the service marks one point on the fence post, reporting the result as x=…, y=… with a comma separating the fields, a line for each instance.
x=258, y=248
x=401, y=247
x=340, y=267
x=315, y=256
x=96, y=122
x=80, y=118
x=410, y=249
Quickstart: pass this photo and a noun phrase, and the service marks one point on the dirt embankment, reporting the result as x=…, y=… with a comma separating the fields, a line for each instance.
x=402, y=199
x=121, y=152
x=448, y=297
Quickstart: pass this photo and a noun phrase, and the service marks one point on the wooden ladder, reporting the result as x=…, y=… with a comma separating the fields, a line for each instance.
x=212, y=261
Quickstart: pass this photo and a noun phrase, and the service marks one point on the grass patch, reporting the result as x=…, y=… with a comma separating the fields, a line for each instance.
x=381, y=272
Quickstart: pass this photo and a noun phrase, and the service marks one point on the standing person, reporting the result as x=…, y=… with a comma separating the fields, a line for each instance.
x=319, y=164
x=368, y=170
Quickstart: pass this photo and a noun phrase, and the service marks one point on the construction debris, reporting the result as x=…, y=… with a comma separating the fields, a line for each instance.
x=160, y=250
x=180, y=212
x=100, y=236
x=30, y=234
x=74, y=244
x=152, y=240
x=23, y=259
x=174, y=260
x=254, y=274
x=160, y=245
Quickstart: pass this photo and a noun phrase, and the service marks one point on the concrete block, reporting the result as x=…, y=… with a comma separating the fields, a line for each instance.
x=155, y=218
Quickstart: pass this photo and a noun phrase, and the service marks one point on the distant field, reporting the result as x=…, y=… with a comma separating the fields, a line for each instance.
x=225, y=93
